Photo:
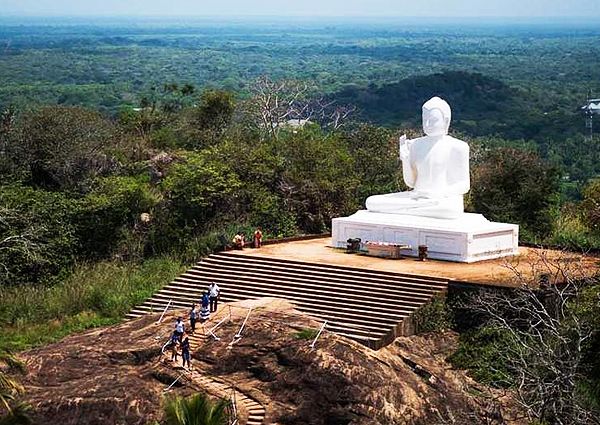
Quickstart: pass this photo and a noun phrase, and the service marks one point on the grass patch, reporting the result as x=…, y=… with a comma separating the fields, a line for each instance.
x=94, y=295
x=306, y=333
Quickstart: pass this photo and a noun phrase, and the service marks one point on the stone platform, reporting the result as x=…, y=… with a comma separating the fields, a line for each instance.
x=468, y=239
x=526, y=267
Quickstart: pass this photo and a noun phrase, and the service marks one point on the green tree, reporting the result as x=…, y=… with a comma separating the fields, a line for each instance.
x=37, y=237
x=141, y=123
x=199, y=187
x=7, y=123
x=317, y=181
x=200, y=191
x=259, y=166
x=61, y=147
x=516, y=186
x=590, y=206
x=375, y=154
x=207, y=122
x=196, y=410
x=110, y=210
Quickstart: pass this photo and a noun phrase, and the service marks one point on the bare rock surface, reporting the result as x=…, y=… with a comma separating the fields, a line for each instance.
x=116, y=375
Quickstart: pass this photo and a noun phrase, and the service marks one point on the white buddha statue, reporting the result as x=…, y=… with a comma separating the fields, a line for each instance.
x=435, y=167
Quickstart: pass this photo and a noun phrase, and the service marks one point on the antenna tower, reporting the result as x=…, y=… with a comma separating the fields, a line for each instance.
x=591, y=108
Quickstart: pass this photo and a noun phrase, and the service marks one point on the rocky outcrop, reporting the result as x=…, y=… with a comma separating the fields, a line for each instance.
x=116, y=375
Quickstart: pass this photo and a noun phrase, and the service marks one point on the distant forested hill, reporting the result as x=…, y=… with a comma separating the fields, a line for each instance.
x=481, y=105
x=108, y=63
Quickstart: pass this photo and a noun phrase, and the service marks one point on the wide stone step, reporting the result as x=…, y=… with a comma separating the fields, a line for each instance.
x=368, y=306
x=391, y=316
x=336, y=277
x=375, y=301
x=332, y=276
x=340, y=319
x=368, y=302
x=334, y=315
x=205, y=276
x=185, y=301
x=325, y=267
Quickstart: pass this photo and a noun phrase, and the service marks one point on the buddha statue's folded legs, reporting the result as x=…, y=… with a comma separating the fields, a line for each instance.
x=407, y=203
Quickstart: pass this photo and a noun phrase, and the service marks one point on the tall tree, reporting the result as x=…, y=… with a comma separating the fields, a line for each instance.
x=516, y=186
x=206, y=122
x=61, y=147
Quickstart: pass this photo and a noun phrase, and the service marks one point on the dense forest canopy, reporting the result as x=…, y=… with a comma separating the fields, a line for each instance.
x=117, y=61
x=519, y=80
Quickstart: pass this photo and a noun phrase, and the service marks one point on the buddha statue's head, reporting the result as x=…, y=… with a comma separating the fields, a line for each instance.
x=436, y=117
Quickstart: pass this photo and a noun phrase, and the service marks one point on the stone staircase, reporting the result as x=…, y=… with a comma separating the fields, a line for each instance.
x=370, y=306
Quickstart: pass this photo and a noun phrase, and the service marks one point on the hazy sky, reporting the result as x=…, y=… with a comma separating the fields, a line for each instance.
x=431, y=8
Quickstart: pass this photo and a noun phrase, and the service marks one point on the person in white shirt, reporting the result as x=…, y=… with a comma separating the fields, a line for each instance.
x=179, y=328
x=213, y=293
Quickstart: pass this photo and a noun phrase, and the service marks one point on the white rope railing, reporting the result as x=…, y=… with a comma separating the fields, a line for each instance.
x=234, y=411
x=164, y=311
x=238, y=335
x=162, y=350
x=174, y=382
x=212, y=330
x=312, y=346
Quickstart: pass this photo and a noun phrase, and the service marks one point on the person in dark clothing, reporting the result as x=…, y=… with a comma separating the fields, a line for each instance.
x=173, y=345
x=185, y=350
x=204, y=311
x=193, y=318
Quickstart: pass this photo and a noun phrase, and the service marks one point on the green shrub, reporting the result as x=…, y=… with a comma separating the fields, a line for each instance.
x=571, y=232
x=111, y=210
x=197, y=409
x=433, y=316
x=306, y=333
x=516, y=186
x=164, y=138
x=267, y=211
x=478, y=352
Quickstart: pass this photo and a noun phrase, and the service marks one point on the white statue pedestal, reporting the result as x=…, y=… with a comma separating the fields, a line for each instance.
x=467, y=239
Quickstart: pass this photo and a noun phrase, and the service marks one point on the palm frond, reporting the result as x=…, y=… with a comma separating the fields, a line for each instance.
x=195, y=410
x=19, y=415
